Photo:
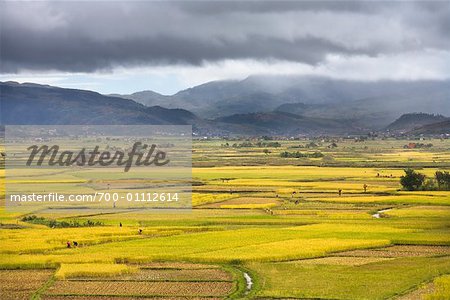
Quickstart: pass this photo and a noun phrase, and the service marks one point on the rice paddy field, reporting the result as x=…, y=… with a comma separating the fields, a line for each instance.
x=261, y=227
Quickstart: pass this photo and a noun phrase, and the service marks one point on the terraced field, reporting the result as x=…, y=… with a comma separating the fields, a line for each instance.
x=261, y=227
x=162, y=280
x=22, y=284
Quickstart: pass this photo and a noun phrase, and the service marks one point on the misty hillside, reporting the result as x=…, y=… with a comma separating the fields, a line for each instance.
x=434, y=128
x=148, y=98
x=408, y=122
x=40, y=104
x=374, y=104
x=281, y=123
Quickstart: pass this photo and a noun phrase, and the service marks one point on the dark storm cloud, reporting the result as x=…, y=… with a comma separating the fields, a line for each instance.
x=92, y=36
x=218, y=7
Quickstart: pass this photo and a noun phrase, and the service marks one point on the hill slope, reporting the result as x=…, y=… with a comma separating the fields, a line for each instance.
x=39, y=104
x=434, y=128
x=370, y=104
x=281, y=123
x=408, y=122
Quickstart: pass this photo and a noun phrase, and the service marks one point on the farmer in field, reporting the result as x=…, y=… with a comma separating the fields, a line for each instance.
x=120, y=224
x=340, y=192
x=365, y=188
x=68, y=244
x=75, y=243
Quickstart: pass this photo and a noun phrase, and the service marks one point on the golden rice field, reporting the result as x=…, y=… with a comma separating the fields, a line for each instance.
x=281, y=222
x=66, y=271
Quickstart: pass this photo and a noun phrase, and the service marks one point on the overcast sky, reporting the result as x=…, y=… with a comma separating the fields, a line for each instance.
x=123, y=47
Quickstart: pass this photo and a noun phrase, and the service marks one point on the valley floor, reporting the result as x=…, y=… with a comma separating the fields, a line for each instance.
x=261, y=227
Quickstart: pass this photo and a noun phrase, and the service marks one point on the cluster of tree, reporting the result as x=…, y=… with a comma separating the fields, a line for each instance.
x=296, y=147
x=443, y=180
x=250, y=145
x=243, y=145
x=415, y=181
x=268, y=144
x=417, y=145
x=332, y=145
x=299, y=154
x=311, y=145
x=361, y=139
x=60, y=224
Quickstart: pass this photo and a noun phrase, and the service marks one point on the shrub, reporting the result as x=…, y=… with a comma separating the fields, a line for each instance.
x=298, y=154
x=429, y=185
x=443, y=180
x=60, y=224
x=316, y=155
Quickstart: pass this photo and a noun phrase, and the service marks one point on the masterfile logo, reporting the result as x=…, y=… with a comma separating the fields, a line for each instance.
x=140, y=155
x=106, y=167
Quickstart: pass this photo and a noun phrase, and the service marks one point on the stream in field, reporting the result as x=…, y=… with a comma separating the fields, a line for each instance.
x=249, y=281
x=377, y=215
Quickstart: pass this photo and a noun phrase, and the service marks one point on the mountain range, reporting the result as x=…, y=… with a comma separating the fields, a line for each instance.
x=369, y=104
x=257, y=105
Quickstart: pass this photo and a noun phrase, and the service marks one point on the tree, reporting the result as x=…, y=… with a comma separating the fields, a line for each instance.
x=412, y=181
x=443, y=179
